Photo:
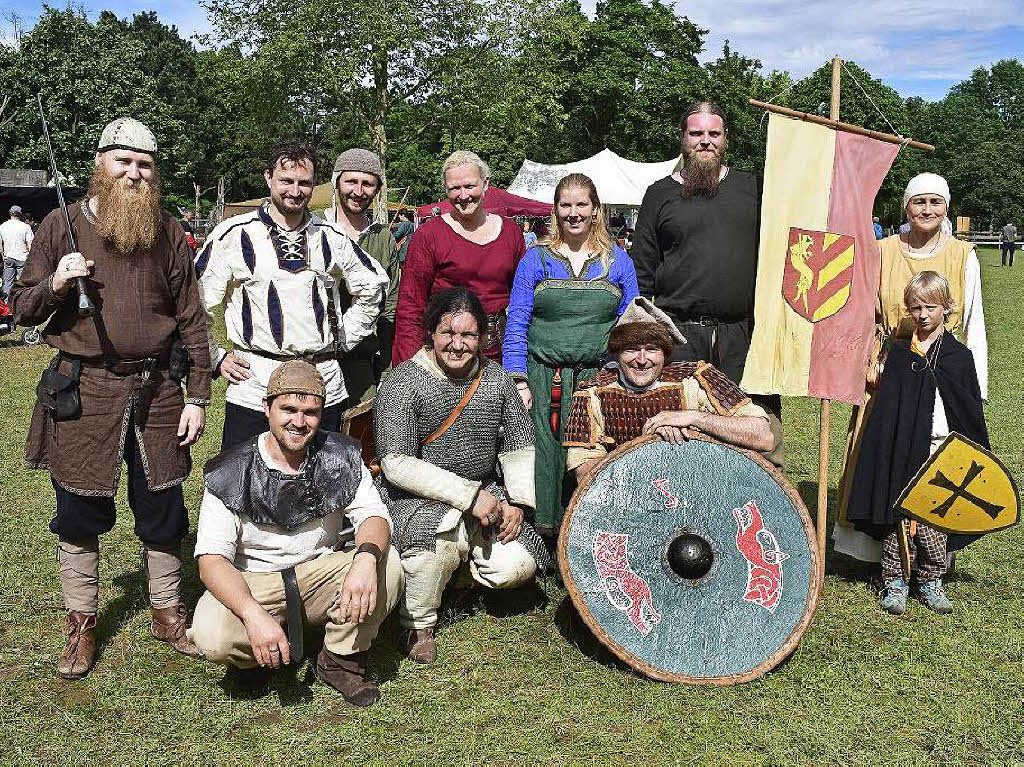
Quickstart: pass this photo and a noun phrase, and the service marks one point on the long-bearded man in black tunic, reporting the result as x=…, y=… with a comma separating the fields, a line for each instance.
x=695, y=245
x=695, y=249
x=457, y=453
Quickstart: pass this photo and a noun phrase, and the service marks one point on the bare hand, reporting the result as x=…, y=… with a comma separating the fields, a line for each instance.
x=511, y=522
x=233, y=368
x=268, y=640
x=526, y=395
x=672, y=434
x=358, y=596
x=69, y=268
x=681, y=419
x=486, y=508
x=191, y=424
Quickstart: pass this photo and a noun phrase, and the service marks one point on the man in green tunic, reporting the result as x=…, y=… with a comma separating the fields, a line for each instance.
x=357, y=179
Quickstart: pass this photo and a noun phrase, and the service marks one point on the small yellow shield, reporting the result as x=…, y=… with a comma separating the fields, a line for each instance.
x=962, y=488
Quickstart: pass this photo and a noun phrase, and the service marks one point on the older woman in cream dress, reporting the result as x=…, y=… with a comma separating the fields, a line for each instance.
x=925, y=247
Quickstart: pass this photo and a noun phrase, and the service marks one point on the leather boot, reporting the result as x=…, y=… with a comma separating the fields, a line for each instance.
x=418, y=645
x=169, y=625
x=80, y=650
x=347, y=675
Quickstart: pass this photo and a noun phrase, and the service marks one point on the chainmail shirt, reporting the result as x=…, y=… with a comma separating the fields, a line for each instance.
x=412, y=402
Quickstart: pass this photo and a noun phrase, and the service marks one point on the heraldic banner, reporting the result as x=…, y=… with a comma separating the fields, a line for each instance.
x=818, y=264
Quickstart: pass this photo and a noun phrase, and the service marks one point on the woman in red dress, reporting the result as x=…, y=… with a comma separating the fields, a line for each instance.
x=465, y=247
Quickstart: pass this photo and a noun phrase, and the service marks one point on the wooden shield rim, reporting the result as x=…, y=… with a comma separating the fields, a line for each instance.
x=927, y=464
x=810, y=606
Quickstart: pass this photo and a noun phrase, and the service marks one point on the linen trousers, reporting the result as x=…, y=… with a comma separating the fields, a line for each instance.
x=221, y=636
x=459, y=539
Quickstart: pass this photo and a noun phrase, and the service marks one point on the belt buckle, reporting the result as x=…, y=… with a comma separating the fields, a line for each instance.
x=148, y=366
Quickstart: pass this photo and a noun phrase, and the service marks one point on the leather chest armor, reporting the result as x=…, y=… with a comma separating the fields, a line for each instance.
x=625, y=413
x=328, y=482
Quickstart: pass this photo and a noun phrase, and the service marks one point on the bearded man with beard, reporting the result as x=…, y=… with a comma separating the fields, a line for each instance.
x=695, y=251
x=357, y=181
x=138, y=271
x=695, y=245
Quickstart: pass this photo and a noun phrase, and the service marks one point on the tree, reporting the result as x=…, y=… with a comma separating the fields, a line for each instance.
x=978, y=129
x=89, y=74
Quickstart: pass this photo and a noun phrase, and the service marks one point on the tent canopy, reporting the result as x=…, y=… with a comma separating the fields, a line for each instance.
x=619, y=181
x=496, y=200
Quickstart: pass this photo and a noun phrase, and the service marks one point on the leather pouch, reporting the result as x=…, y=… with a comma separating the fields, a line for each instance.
x=58, y=393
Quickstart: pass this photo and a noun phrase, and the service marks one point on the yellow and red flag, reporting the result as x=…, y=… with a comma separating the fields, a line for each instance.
x=818, y=264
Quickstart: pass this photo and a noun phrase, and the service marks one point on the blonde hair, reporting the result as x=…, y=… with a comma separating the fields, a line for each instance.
x=930, y=287
x=599, y=240
x=464, y=157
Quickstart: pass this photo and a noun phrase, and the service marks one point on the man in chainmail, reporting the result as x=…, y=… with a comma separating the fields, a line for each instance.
x=456, y=451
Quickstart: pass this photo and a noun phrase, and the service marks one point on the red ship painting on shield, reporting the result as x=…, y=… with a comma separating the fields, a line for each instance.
x=764, y=556
x=626, y=590
x=818, y=272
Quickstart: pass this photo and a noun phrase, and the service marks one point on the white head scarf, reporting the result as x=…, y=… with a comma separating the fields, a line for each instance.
x=926, y=183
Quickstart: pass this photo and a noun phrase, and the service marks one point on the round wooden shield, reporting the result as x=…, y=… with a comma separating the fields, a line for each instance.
x=693, y=563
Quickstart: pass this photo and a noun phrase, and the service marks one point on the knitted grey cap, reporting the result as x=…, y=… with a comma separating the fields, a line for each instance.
x=126, y=133
x=362, y=160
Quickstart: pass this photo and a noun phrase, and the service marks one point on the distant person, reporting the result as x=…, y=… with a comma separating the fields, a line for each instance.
x=15, y=241
x=879, y=232
x=190, y=232
x=1009, y=243
x=403, y=229
x=529, y=236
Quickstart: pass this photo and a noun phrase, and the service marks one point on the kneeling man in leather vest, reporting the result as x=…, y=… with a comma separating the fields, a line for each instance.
x=273, y=518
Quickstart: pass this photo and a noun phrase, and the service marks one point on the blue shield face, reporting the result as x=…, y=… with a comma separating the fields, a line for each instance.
x=693, y=562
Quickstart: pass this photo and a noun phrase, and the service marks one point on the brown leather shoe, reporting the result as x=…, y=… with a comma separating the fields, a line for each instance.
x=169, y=625
x=80, y=650
x=347, y=675
x=418, y=645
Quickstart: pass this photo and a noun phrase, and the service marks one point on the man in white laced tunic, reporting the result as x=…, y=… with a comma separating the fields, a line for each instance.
x=279, y=269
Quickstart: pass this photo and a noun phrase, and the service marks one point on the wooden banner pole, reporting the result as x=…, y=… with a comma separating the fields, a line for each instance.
x=825, y=410
x=847, y=127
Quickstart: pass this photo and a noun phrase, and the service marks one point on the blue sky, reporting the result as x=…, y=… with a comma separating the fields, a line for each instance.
x=919, y=47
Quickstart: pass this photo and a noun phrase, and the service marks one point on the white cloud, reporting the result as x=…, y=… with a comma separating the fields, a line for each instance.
x=897, y=41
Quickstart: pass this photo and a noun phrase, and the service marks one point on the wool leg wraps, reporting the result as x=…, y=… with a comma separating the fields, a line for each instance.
x=79, y=563
x=162, y=566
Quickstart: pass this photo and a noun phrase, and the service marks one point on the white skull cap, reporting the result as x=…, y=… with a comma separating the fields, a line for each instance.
x=126, y=133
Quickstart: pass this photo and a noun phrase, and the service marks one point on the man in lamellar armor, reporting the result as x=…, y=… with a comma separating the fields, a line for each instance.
x=643, y=395
x=457, y=453
x=273, y=518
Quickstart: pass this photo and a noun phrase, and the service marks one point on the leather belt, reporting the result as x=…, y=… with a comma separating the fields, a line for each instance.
x=293, y=606
x=127, y=367
x=313, y=359
x=495, y=329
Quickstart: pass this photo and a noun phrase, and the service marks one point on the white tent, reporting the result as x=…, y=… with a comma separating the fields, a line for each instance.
x=619, y=181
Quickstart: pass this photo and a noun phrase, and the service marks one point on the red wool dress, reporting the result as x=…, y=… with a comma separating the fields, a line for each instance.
x=440, y=258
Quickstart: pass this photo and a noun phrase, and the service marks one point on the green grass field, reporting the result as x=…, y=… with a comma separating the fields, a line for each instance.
x=519, y=679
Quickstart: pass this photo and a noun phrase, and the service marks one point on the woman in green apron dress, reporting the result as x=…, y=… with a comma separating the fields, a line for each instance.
x=568, y=292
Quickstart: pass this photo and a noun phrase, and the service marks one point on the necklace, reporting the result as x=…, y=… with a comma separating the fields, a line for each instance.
x=921, y=251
